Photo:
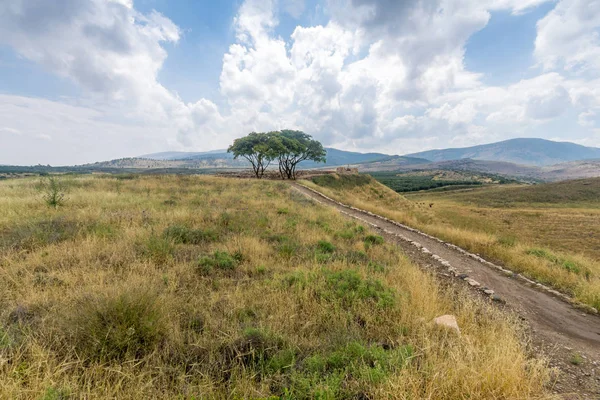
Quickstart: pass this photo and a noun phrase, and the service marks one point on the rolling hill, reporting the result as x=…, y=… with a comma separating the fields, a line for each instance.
x=220, y=158
x=538, y=152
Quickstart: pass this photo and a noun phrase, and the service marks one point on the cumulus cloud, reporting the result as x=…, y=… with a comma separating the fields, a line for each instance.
x=384, y=75
x=569, y=37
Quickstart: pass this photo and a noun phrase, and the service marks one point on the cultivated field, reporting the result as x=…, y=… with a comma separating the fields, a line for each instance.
x=548, y=232
x=198, y=287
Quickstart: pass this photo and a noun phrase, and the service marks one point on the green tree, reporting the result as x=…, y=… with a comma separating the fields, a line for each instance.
x=293, y=147
x=258, y=149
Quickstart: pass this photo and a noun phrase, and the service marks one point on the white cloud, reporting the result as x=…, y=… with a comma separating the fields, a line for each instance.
x=382, y=75
x=569, y=37
x=10, y=131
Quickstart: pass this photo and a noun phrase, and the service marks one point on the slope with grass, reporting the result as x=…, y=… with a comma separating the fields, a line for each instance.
x=199, y=287
x=550, y=233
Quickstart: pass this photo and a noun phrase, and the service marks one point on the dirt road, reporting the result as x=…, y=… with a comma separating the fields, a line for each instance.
x=568, y=336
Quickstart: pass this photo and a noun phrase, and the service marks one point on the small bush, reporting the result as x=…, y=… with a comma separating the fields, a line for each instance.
x=53, y=393
x=219, y=260
x=373, y=240
x=53, y=191
x=325, y=247
x=158, y=249
x=128, y=325
x=349, y=286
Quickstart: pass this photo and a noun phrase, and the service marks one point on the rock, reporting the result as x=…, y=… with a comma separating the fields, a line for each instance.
x=447, y=322
x=488, y=291
x=472, y=282
x=462, y=276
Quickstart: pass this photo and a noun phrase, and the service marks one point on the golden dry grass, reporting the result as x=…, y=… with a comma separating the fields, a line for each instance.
x=199, y=287
x=554, y=243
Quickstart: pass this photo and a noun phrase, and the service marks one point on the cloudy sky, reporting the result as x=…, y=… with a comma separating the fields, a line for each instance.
x=89, y=80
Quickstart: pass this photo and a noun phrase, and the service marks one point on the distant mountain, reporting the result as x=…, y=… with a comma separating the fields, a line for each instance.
x=537, y=152
x=179, y=155
x=530, y=173
x=335, y=157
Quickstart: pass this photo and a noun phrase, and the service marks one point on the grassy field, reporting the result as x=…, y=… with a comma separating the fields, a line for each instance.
x=198, y=287
x=548, y=232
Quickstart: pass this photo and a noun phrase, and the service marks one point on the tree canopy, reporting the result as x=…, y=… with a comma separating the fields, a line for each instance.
x=257, y=148
x=289, y=147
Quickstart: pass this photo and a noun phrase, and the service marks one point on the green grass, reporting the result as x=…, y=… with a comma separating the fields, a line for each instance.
x=549, y=232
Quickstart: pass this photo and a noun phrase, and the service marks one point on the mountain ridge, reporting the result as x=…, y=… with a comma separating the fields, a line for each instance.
x=523, y=151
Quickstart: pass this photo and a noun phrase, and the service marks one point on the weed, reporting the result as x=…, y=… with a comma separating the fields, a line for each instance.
x=349, y=287
x=569, y=265
x=158, y=249
x=122, y=326
x=326, y=247
x=576, y=359
x=53, y=393
x=183, y=234
x=374, y=240
x=53, y=191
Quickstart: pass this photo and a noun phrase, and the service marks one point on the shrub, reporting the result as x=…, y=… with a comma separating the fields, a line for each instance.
x=53, y=191
x=325, y=247
x=124, y=326
x=373, y=239
x=158, y=249
x=348, y=371
x=349, y=286
x=219, y=260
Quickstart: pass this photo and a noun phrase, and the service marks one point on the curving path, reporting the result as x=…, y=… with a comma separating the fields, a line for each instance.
x=559, y=329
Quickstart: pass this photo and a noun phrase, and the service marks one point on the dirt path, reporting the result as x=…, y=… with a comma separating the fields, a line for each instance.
x=569, y=337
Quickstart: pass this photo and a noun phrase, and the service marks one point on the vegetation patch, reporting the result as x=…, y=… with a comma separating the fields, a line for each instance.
x=341, y=181
x=39, y=234
x=569, y=265
x=219, y=261
x=185, y=235
x=117, y=327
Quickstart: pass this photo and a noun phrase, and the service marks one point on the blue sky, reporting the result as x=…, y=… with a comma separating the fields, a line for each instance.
x=88, y=80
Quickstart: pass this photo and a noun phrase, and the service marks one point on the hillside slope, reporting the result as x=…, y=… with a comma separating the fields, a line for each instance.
x=538, y=152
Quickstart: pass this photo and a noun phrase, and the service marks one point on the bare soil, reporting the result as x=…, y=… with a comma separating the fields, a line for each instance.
x=567, y=336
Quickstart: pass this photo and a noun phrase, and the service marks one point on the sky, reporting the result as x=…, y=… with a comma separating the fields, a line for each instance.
x=91, y=80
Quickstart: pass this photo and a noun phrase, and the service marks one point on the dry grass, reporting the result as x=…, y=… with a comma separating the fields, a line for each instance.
x=190, y=287
x=557, y=243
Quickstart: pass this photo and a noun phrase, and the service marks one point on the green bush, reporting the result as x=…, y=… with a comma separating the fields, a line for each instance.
x=349, y=371
x=374, y=239
x=53, y=191
x=325, y=247
x=220, y=261
x=349, y=287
